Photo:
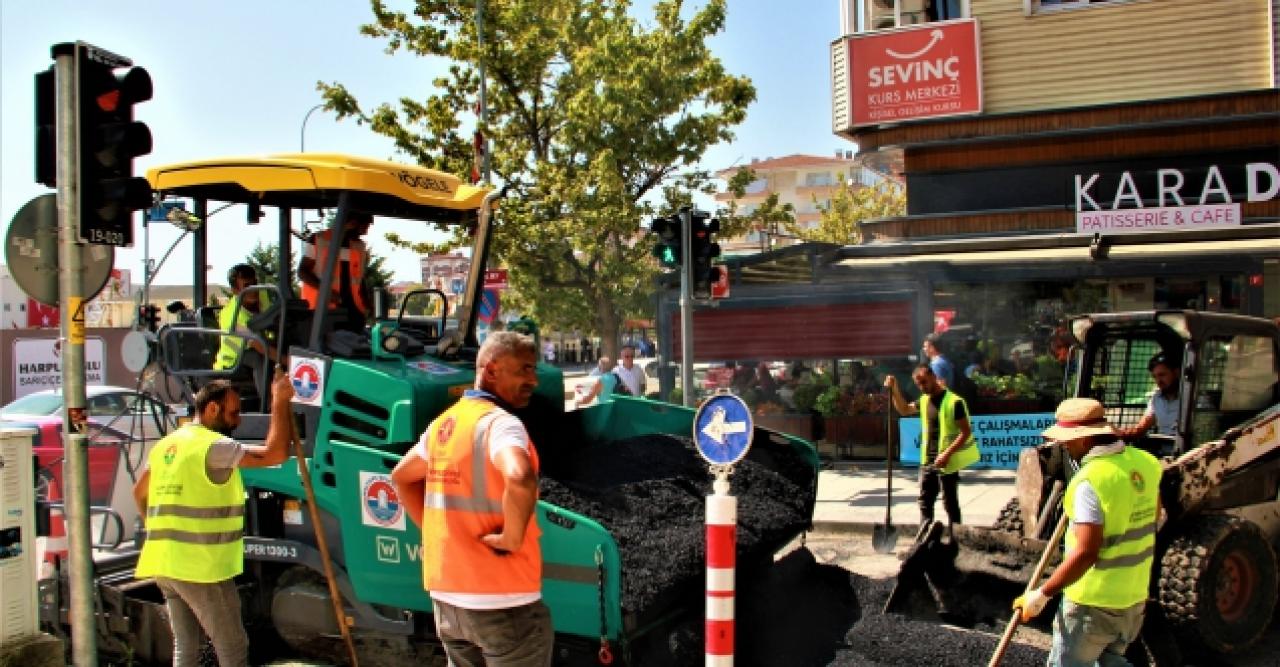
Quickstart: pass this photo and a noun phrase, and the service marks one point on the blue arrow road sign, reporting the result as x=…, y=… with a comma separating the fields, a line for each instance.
x=722, y=429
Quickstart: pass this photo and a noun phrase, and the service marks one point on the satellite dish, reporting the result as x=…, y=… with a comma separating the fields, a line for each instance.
x=31, y=251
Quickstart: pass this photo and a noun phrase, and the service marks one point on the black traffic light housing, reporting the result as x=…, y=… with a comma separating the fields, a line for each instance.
x=667, y=247
x=706, y=251
x=107, y=88
x=149, y=317
x=47, y=128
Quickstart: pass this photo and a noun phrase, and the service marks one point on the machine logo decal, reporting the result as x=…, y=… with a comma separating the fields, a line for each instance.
x=307, y=376
x=381, y=503
x=388, y=549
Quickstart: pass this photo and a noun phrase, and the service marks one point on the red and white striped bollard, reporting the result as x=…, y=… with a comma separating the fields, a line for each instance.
x=722, y=540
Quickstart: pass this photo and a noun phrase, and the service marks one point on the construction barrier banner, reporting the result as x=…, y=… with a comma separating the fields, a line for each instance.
x=1001, y=438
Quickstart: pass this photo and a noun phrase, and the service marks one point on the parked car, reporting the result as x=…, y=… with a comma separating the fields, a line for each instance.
x=119, y=418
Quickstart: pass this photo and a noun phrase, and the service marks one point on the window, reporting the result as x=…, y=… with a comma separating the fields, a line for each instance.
x=1047, y=6
x=1235, y=381
x=818, y=179
x=886, y=14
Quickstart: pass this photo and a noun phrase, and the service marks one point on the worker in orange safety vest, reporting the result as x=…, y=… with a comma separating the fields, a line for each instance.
x=471, y=484
x=349, y=291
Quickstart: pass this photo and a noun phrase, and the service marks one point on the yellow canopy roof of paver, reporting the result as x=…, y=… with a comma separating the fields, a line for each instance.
x=315, y=180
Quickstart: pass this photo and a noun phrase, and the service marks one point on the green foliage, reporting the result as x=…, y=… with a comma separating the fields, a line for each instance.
x=831, y=403
x=265, y=259
x=591, y=116
x=768, y=216
x=841, y=221
x=807, y=393
x=1005, y=386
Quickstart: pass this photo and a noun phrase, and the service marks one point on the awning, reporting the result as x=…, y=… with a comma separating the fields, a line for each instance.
x=1115, y=252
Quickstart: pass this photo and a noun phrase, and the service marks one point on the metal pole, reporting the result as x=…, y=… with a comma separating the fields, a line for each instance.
x=484, y=109
x=686, y=307
x=84, y=649
x=302, y=134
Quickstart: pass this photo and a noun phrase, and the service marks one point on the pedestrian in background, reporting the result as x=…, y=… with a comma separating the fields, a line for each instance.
x=193, y=498
x=947, y=445
x=471, y=484
x=1113, y=503
x=935, y=352
x=605, y=385
x=632, y=376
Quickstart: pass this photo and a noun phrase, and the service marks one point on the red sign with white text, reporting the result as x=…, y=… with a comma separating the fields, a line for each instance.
x=924, y=71
x=495, y=278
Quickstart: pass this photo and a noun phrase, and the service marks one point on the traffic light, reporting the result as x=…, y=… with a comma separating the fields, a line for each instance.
x=149, y=317
x=667, y=248
x=107, y=89
x=47, y=129
x=705, y=251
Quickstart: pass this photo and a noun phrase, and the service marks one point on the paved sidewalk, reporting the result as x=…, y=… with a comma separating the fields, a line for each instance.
x=851, y=497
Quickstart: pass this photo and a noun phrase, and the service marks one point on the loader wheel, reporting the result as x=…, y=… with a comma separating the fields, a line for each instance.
x=1010, y=519
x=1218, y=584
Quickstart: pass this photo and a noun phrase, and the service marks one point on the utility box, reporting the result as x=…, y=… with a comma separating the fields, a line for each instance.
x=18, y=610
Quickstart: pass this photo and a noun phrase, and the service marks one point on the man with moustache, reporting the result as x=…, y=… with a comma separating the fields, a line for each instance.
x=193, y=498
x=471, y=484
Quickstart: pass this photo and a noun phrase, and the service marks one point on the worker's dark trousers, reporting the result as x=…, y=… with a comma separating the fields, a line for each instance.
x=930, y=480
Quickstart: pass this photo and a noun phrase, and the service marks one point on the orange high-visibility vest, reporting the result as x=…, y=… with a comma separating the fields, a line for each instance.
x=354, y=257
x=464, y=501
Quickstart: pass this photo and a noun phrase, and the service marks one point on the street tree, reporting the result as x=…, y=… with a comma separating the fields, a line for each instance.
x=841, y=220
x=595, y=121
x=766, y=218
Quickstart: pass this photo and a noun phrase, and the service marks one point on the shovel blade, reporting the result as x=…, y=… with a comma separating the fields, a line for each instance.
x=884, y=538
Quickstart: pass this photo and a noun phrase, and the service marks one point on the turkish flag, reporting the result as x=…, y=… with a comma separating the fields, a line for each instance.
x=41, y=316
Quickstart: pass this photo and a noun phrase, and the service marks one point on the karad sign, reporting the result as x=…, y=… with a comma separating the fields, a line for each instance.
x=924, y=71
x=1185, y=200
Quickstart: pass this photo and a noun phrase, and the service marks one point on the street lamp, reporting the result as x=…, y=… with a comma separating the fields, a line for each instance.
x=302, y=135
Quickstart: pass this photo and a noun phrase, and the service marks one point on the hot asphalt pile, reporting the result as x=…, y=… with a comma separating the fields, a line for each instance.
x=650, y=493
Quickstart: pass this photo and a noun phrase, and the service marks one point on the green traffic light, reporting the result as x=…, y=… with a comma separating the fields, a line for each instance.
x=669, y=256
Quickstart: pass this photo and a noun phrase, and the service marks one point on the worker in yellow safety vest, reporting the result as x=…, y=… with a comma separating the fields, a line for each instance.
x=1113, y=502
x=349, y=292
x=193, y=500
x=471, y=484
x=947, y=445
x=236, y=320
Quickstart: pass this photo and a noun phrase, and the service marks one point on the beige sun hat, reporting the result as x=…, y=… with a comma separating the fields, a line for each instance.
x=1077, y=418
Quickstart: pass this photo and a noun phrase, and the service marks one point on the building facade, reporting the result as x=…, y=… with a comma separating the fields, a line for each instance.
x=805, y=182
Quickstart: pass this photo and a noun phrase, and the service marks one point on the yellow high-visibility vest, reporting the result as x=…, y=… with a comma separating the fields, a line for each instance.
x=195, y=528
x=1128, y=487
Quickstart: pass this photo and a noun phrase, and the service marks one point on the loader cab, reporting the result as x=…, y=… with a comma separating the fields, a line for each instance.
x=400, y=197
x=1226, y=370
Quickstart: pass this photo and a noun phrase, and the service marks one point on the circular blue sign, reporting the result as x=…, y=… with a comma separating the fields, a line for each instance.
x=722, y=429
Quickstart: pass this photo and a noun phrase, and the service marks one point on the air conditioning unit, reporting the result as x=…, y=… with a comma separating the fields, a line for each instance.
x=18, y=611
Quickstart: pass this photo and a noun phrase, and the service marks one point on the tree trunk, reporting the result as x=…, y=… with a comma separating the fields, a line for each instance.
x=608, y=322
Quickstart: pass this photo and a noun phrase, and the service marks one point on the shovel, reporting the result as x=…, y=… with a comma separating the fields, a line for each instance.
x=885, y=538
x=1031, y=586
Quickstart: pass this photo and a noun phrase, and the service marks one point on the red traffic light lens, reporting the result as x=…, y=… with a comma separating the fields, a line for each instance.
x=109, y=101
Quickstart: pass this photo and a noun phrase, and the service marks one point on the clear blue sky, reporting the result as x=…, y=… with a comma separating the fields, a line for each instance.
x=237, y=77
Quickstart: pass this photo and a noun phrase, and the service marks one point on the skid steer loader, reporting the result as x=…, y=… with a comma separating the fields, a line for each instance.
x=1214, y=579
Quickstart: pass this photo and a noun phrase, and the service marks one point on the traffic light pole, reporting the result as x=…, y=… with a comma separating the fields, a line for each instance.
x=686, y=306
x=84, y=650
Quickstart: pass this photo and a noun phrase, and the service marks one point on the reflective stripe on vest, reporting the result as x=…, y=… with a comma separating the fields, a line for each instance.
x=195, y=528
x=947, y=432
x=229, y=350
x=1127, y=484
x=355, y=269
x=459, y=508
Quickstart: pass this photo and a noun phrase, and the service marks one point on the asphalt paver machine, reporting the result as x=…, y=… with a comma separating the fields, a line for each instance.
x=364, y=396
